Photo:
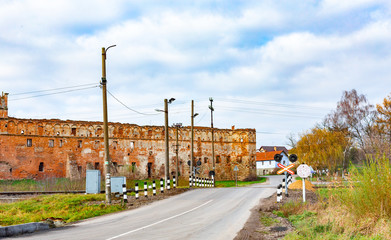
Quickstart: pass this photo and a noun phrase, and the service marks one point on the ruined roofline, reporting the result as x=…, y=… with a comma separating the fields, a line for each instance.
x=124, y=124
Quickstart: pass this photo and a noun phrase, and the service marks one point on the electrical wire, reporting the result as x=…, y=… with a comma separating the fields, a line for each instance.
x=54, y=89
x=123, y=104
x=47, y=94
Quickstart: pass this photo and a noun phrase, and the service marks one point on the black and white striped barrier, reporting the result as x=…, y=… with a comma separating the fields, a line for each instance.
x=173, y=181
x=283, y=184
x=289, y=179
x=125, y=193
x=168, y=183
x=136, y=190
x=145, y=189
x=161, y=185
x=154, y=188
x=279, y=193
x=189, y=180
x=197, y=181
x=193, y=181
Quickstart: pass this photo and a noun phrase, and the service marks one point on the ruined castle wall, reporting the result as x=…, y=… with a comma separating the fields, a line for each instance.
x=33, y=148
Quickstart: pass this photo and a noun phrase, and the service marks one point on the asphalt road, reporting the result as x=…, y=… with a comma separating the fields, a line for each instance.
x=212, y=213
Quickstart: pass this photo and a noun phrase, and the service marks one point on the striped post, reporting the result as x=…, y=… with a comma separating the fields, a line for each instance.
x=279, y=193
x=213, y=180
x=125, y=193
x=136, y=190
x=168, y=183
x=174, y=181
x=289, y=179
x=209, y=182
x=154, y=188
x=145, y=189
x=161, y=185
x=202, y=182
x=193, y=180
x=283, y=184
x=190, y=180
x=197, y=181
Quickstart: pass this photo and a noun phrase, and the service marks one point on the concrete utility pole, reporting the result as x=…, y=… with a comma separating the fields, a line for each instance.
x=193, y=115
x=213, y=139
x=105, y=127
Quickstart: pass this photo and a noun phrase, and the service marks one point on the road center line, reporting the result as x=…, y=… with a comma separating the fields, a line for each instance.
x=161, y=221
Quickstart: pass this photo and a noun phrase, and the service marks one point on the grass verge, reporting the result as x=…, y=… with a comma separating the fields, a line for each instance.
x=70, y=208
x=240, y=183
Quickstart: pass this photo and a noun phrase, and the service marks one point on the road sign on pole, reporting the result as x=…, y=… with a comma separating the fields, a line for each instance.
x=303, y=171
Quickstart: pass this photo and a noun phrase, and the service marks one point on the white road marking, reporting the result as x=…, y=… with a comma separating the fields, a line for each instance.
x=161, y=221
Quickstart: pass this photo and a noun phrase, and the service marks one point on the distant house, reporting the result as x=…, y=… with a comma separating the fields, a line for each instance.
x=273, y=148
x=265, y=162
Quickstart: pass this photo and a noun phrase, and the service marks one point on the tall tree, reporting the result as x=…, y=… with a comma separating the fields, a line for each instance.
x=354, y=116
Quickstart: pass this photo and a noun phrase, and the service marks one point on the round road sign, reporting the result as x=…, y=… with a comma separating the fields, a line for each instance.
x=303, y=171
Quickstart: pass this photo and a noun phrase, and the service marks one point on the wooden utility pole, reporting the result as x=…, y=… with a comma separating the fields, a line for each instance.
x=105, y=128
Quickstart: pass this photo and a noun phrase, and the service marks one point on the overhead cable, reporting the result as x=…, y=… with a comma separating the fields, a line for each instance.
x=123, y=104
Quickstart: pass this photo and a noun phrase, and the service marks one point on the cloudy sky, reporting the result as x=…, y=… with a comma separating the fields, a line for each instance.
x=276, y=66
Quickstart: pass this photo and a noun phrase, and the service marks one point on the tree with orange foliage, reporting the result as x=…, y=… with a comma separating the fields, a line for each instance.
x=322, y=148
x=383, y=119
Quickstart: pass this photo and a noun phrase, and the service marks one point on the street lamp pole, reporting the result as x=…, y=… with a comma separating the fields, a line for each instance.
x=105, y=127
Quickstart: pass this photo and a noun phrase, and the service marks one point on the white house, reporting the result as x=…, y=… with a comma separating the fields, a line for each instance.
x=266, y=163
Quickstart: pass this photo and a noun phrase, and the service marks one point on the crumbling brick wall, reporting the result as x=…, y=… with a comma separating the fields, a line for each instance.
x=44, y=148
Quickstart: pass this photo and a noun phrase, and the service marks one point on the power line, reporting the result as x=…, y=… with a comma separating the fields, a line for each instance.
x=270, y=104
x=54, y=89
x=47, y=94
x=123, y=104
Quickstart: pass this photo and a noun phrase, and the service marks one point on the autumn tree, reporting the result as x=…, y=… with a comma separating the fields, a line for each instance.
x=383, y=120
x=322, y=148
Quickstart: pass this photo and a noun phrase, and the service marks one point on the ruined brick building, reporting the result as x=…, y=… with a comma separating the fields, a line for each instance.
x=45, y=148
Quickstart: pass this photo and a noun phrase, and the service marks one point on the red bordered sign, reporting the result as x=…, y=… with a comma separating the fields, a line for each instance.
x=285, y=168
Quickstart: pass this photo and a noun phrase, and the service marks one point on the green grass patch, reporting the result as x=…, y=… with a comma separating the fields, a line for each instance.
x=268, y=221
x=232, y=183
x=68, y=207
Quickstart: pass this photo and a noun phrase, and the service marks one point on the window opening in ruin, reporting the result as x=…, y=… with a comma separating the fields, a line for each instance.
x=10, y=170
x=239, y=160
x=218, y=159
x=29, y=142
x=40, y=168
x=60, y=142
x=115, y=143
x=22, y=132
x=51, y=143
x=79, y=169
x=228, y=159
x=131, y=145
x=73, y=131
x=133, y=167
x=241, y=139
x=205, y=160
x=96, y=165
x=149, y=169
x=96, y=146
x=79, y=143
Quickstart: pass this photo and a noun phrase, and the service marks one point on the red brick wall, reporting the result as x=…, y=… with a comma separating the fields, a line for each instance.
x=67, y=148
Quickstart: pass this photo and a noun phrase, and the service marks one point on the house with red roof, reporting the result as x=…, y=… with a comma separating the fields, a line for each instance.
x=265, y=162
